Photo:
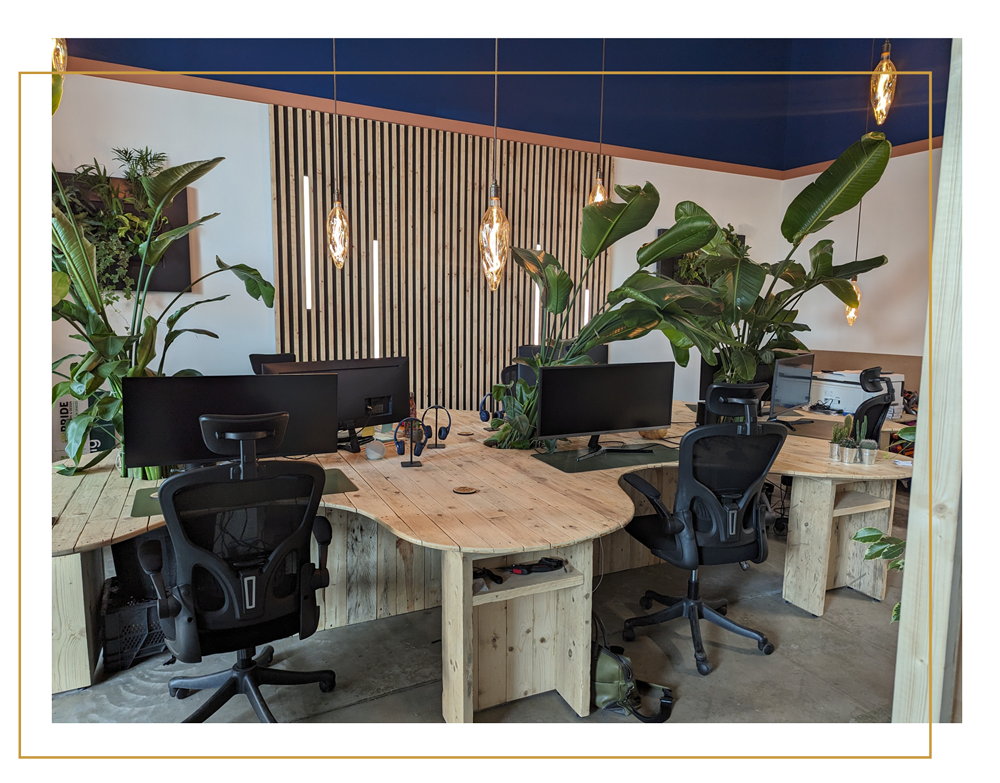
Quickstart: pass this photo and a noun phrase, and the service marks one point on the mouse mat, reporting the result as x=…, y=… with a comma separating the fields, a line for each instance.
x=146, y=504
x=566, y=461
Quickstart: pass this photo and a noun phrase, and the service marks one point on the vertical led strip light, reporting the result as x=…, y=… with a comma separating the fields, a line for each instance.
x=307, y=240
x=586, y=306
x=536, y=332
x=376, y=315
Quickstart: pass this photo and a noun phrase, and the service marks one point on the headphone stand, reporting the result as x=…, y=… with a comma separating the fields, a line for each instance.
x=436, y=444
x=410, y=463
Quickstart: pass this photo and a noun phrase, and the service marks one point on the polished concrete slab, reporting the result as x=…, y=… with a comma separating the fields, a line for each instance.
x=835, y=668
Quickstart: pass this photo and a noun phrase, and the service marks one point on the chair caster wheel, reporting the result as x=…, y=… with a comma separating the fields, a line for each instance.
x=180, y=693
x=628, y=634
x=765, y=647
x=723, y=610
x=266, y=656
x=704, y=667
x=646, y=603
x=328, y=685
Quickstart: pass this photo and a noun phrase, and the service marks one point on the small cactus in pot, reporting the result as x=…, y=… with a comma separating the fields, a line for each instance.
x=848, y=449
x=869, y=451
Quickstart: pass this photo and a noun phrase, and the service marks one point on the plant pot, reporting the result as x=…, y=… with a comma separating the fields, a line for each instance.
x=868, y=456
x=848, y=456
x=835, y=451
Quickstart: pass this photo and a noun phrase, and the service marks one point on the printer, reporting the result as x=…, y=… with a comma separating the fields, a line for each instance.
x=841, y=391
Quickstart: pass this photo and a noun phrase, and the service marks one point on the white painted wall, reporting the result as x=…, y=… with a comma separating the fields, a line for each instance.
x=894, y=222
x=98, y=114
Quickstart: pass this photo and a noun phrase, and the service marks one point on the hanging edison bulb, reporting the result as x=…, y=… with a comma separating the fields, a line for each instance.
x=337, y=233
x=852, y=312
x=598, y=193
x=883, y=85
x=60, y=57
x=494, y=239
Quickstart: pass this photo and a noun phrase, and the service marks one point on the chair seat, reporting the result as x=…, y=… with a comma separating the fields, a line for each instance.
x=648, y=530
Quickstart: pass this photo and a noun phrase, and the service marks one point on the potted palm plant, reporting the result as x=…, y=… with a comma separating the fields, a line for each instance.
x=110, y=353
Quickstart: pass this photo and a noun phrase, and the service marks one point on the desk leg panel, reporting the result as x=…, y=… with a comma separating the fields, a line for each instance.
x=76, y=619
x=573, y=619
x=807, y=560
x=851, y=569
x=456, y=637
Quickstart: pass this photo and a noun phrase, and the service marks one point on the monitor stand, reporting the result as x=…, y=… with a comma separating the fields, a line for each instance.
x=776, y=420
x=353, y=442
x=596, y=449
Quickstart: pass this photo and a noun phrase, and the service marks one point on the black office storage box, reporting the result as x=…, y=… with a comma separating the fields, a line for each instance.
x=131, y=628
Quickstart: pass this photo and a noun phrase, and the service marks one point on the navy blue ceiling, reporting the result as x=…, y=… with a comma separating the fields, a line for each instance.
x=777, y=122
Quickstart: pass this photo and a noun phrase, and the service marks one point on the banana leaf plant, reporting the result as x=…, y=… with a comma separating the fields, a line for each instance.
x=760, y=321
x=641, y=304
x=107, y=356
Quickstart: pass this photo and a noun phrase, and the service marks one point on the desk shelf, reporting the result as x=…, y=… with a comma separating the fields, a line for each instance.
x=857, y=503
x=518, y=585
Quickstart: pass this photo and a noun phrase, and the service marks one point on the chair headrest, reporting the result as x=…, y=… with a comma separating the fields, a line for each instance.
x=223, y=433
x=870, y=379
x=733, y=399
x=258, y=360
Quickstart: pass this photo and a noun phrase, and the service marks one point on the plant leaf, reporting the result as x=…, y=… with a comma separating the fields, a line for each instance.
x=175, y=317
x=80, y=256
x=173, y=334
x=77, y=433
x=605, y=222
x=839, y=188
x=628, y=322
x=159, y=245
x=686, y=235
x=60, y=287
x=164, y=187
x=895, y=612
x=534, y=263
x=147, y=348
x=821, y=258
x=867, y=535
x=557, y=289
x=255, y=284
x=854, y=268
x=843, y=290
x=187, y=374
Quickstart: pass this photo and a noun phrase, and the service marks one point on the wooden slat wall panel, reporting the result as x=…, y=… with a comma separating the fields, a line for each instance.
x=421, y=193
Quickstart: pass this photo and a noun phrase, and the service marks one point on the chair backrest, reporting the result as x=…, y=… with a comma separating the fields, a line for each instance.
x=242, y=549
x=721, y=472
x=258, y=360
x=872, y=413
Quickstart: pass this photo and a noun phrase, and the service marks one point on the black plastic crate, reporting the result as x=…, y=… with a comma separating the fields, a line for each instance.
x=131, y=628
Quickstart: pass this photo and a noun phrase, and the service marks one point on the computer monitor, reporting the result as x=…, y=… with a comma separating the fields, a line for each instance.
x=597, y=399
x=160, y=415
x=599, y=354
x=370, y=392
x=791, y=385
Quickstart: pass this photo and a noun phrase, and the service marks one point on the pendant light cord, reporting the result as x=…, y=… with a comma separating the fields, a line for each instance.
x=336, y=126
x=857, y=239
x=496, y=67
x=600, y=137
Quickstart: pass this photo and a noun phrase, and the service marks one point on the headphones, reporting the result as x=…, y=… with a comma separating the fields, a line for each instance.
x=442, y=431
x=485, y=415
x=421, y=434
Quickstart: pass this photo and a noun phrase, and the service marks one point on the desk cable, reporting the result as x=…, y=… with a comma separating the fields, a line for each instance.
x=601, y=579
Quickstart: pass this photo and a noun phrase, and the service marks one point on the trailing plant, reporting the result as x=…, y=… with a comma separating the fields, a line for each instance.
x=883, y=547
x=760, y=320
x=644, y=302
x=111, y=354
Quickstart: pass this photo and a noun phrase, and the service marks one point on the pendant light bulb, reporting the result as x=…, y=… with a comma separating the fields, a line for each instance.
x=598, y=193
x=60, y=55
x=851, y=313
x=337, y=233
x=883, y=85
x=494, y=239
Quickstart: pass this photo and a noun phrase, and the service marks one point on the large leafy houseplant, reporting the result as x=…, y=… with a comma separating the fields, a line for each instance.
x=759, y=321
x=79, y=298
x=643, y=303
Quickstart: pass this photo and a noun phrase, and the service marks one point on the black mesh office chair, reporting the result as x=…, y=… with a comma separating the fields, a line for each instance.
x=874, y=409
x=719, y=511
x=241, y=537
x=258, y=360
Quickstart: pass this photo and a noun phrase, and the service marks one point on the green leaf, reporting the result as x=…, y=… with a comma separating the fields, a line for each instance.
x=892, y=551
x=57, y=90
x=107, y=408
x=686, y=235
x=159, y=245
x=60, y=286
x=843, y=290
x=605, y=222
x=895, y=613
x=164, y=187
x=255, y=284
x=499, y=391
x=908, y=433
x=81, y=263
x=837, y=189
x=173, y=334
x=628, y=322
x=744, y=365
x=77, y=433
x=175, y=317
x=85, y=384
x=61, y=389
x=867, y=535
x=534, y=263
x=69, y=470
x=147, y=348
x=745, y=279
x=557, y=290
x=855, y=268
x=660, y=291
x=896, y=565
x=187, y=374
x=58, y=362
x=821, y=258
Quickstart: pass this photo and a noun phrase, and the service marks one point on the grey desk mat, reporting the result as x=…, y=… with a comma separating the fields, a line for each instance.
x=146, y=505
x=566, y=460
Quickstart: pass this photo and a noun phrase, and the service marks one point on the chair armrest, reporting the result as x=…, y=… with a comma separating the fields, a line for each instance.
x=323, y=533
x=151, y=559
x=642, y=486
x=673, y=524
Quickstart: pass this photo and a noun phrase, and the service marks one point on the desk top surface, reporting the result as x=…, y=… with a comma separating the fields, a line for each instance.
x=521, y=505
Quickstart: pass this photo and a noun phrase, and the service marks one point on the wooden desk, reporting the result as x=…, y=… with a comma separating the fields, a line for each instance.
x=823, y=423
x=522, y=506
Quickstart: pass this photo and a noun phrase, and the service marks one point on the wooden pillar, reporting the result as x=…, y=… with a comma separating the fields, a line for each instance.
x=456, y=636
x=930, y=620
x=77, y=580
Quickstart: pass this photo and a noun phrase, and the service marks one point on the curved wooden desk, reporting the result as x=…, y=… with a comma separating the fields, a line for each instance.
x=522, y=506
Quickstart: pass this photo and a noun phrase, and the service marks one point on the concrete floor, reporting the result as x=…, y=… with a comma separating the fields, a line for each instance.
x=835, y=668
